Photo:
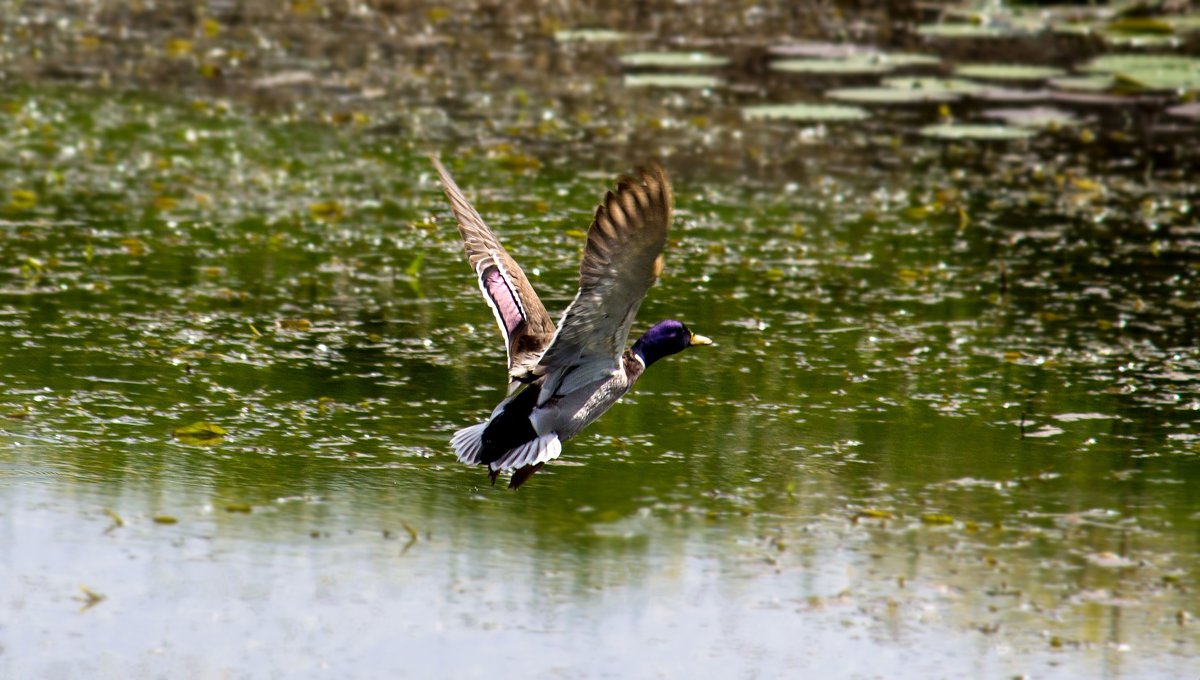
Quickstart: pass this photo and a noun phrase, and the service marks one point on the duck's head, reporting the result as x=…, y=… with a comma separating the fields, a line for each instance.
x=664, y=339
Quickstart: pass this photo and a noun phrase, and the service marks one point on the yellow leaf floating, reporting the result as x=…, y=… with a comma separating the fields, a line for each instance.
x=178, y=47
x=22, y=199
x=326, y=210
x=243, y=508
x=165, y=519
x=295, y=324
x=936, y=518
x=90, y=598
x=873, y=513
x=200, y=433
x=134, y=247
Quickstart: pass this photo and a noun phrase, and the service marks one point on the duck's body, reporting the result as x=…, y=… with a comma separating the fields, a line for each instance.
x=562, y=379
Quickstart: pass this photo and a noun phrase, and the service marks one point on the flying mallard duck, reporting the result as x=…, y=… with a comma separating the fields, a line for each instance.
x=562, y=380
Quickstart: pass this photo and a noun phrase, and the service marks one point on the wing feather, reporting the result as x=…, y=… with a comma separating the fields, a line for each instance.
x=620, y=262
x=522, y=318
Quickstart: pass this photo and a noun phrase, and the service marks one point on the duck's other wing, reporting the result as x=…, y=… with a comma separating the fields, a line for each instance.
x=622, y=259
x=526, y=327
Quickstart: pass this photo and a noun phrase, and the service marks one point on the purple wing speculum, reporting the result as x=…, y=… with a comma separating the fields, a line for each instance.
x=502, y=296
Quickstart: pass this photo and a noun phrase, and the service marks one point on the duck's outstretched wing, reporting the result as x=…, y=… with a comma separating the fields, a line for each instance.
x=523, y=321
x=622, y=259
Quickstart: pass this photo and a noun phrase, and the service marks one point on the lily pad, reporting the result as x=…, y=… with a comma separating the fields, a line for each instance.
x=1007, y=72
x=821, y=50
x=960, y=131
x=850, y=66
x=1190, y=111
x=1135, y=25
x=901, y=59
x=1149, y=71
x=1184, y=23
x=1078, y=28
x=805, y=112
x=589, y=35
x=679, y=80
x=891, y=95
x=674, y=60
x=1139, y=40
x=1093, y=83
x=1091, y=99
x=951, y=85
x=964, y=30
x=1034, y=117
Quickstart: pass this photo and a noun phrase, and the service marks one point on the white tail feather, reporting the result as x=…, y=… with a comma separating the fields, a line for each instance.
x=468, y=443
x=544, y=448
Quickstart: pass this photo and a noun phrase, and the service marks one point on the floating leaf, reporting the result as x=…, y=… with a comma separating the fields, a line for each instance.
x=674, y=60
x=805, y=112
x=201, y=432
x=1191, y=111
x=90, y=598
x=117, y=520
x=902, y=59
x=32, y=269
x=1149, y=71
x=518, y=162
x=165, y=519
x=936, y=518
x=676, y=80
x=22, y=199
x=300, y=325
x=178, y=47
x=959, y=131
x=243, y=508
x=1151, y=25
x=890, y=95
x=929, y=85
x=326, y=210
x=873, y=513
x=590, y=35
x=955, y=30
x=1093, y=83
x=850, y=66
x=821, y=50
x=1034, y=117
x=134, y=247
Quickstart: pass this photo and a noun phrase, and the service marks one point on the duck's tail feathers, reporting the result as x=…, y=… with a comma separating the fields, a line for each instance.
x=468, y=444
x=533, y=452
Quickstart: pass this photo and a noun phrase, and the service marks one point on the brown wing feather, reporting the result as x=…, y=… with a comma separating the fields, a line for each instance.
x=620, y=262
x=526, y=339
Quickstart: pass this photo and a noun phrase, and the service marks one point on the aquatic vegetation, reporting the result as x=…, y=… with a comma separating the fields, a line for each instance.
x=805, y=112
x=674, y=60
x=685, y=81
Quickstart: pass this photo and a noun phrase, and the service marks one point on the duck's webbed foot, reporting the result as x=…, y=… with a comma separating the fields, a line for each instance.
x=522, y=475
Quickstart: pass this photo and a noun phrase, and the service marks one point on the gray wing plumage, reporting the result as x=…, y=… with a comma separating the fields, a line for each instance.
x=524, y=323
x=622, y=259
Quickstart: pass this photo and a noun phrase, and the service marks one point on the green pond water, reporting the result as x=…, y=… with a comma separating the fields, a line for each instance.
x=950, y=426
